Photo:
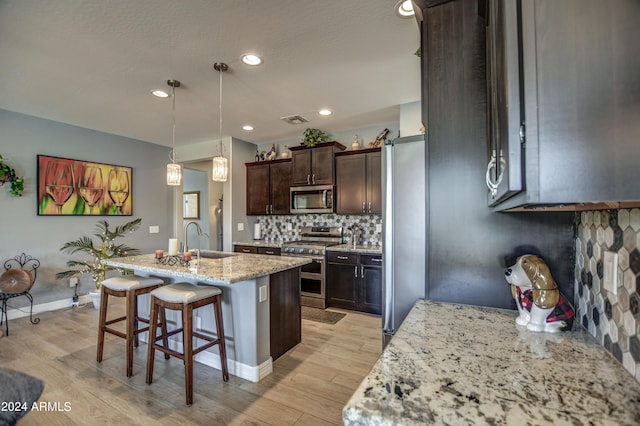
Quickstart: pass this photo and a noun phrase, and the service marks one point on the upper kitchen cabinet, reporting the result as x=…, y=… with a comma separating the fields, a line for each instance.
x=268, y=187
x=314, y=166
x=359, y=182
x=563, y=92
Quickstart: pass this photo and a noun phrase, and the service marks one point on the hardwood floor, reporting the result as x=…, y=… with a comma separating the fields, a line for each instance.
x=309, y=385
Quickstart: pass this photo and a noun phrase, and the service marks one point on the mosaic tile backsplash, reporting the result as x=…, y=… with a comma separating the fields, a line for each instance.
x=612, y=318
x=275, y=227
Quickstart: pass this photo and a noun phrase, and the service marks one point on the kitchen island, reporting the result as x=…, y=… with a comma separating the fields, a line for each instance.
x=260, y=304
x=458, y=364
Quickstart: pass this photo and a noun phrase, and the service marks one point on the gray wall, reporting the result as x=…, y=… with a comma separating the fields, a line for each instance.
x=21, y=230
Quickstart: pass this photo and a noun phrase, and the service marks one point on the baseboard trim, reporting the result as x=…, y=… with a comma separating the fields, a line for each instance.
x=23, y=311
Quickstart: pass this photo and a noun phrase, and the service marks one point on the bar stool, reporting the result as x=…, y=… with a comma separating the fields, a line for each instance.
x=129, y=287
x=186, y=297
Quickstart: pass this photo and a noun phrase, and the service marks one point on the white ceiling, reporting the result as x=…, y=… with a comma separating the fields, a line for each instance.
x=93, y=63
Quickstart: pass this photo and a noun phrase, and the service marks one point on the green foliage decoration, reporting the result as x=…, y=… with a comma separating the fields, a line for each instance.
x=8, y=174
x=105, y=249
x=312, y=137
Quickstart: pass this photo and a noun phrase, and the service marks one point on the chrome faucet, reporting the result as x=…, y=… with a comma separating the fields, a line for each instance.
x=186, y=235
x=356, y=230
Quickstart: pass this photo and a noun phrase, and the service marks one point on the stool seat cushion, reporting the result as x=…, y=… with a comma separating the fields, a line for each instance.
x=184, y=292
x=130, y=282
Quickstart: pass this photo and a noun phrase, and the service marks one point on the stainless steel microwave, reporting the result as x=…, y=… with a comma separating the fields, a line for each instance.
x=312, y=199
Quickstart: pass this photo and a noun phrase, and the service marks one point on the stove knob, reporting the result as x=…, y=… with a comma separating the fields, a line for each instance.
x=316, y=251
x=300, y=250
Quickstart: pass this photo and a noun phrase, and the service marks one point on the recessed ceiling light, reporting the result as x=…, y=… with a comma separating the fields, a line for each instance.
x=404, y=9
x=247, y=127
x=160, y=93
x=251, y=59
x=325, y=112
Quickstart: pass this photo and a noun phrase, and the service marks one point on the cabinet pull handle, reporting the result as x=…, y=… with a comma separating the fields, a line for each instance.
x=343, y=257
x=269, y=252
x=308, y=179
x=363, y=209
x=271, y=209
x=362, y=271
x=246, y=250
x=493, y=164
x=369, y=206
x=266, y=209
x=377, y=259
x=313, y=179
x=355, y=271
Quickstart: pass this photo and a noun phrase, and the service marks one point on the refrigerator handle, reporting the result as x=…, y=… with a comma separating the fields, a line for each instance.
x=388, y=325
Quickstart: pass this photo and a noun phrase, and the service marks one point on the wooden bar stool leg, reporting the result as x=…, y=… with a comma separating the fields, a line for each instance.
x=217, y=309
x=163, y=330
x=187, y=339
x=136, y=341
x=104, y=297
x=153, y=325
x=130, y=332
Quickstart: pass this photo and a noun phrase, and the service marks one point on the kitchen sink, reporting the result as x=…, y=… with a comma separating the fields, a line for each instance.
x=214, y=254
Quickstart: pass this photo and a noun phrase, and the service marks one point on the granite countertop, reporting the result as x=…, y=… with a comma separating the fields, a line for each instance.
x=227, y=270
x=457, y=364
x=259, y=243
x=358, y=249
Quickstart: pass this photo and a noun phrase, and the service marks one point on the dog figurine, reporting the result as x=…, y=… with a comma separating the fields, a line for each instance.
x=540, y=305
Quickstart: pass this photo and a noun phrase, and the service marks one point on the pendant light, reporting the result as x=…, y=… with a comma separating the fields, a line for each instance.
x=220, y=166
x=174, y=171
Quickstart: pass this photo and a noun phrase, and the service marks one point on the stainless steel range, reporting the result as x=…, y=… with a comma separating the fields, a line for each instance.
x=312, y=244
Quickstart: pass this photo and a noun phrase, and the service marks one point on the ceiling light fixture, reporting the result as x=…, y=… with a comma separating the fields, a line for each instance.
x=404, y=9
x=160, y=93
x=174, y=171
x=251, y=59
x=220, y=166
x=325, y=112
x=247, y=127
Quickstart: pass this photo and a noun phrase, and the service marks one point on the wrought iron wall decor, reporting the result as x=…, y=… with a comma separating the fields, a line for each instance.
x=75, y=187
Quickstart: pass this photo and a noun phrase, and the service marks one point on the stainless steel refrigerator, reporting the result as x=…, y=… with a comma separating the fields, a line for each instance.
x=403, y=229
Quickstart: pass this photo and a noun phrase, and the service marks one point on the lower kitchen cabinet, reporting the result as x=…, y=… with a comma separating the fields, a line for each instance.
x=245, y=249
x=354, y=281
x=285, y=315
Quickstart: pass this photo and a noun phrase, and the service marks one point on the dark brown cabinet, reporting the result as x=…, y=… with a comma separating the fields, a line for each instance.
x=268, y=187
x=563, y=90
x=359, y=182
x=314, y=166
x=284, y=310
x=354, y=281
x=245, y=249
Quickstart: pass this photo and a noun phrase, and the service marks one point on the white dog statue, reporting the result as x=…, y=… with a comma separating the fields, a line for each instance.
x=541, y=307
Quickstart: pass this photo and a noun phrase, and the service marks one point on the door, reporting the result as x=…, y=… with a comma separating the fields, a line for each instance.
x=374, y=183
x=504, y=176
x=350, y=184
x=341, y=285
x=280, y=181
x=301, y=167
x=257, y=189
x=322, y=165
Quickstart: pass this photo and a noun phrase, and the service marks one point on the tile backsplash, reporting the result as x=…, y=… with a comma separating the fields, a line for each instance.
x=612, y=318
x=287, y=227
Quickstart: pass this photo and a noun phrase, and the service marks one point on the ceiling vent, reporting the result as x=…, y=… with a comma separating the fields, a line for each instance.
x=294, y=119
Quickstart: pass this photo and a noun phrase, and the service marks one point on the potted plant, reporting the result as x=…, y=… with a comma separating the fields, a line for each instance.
x=312, y=137
x=8, y=174
x=105, y=249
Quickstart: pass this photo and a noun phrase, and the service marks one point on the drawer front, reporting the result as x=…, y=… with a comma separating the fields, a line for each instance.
x=273, y=251
x=371, y=259
x=245, y=249
x=342, y=257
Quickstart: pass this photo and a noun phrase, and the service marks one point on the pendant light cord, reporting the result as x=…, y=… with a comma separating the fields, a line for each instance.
x=173, y=150
x=220, y=109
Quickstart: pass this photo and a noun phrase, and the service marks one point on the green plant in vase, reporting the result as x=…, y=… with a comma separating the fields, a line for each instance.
x=312, y=137
x=8, y=174
x=104, y=249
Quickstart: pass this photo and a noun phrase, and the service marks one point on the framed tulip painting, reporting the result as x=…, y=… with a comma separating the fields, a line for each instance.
x=69, y=187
